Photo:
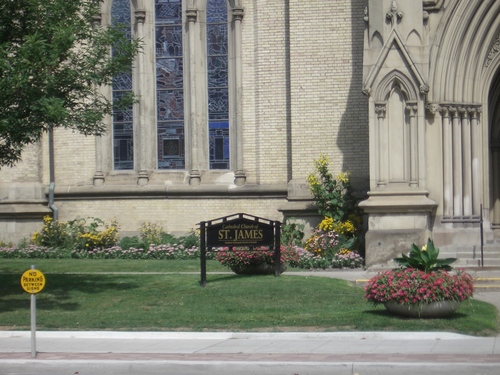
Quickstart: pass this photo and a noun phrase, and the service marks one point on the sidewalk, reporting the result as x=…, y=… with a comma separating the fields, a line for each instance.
x=193, y=353
x=360, y=353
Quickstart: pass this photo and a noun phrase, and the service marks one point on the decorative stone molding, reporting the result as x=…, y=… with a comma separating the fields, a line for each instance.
x=431, y=108
x=366, y=18
x=98, y=179
x=192, y=15
x=424, y=89
x=238, y=13
x=461, y=148
x=395, y=40
x=380, y=110
x=493, y=52
x=140, y=16
x=97, y=19
x=194, y=177
x=394, y=15
x=475, y=111
x=425, y=17
x=457, y=110
x=432, y=5
x=143, y=178
x=412, y=108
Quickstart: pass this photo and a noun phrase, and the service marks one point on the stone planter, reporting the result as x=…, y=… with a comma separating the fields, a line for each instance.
x=438, y=309
x=257, y=269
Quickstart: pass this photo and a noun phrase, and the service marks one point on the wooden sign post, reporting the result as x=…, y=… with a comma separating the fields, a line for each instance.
x=242, y=231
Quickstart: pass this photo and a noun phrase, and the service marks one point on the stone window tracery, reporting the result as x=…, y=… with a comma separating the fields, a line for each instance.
x=169, y=84
x=188, y=116
x=122, y=129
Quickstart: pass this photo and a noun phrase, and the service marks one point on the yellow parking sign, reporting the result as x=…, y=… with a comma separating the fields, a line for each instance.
x=32, y=281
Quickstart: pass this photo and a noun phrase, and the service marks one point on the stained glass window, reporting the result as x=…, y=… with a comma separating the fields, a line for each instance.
x=123, y=128
x=217, y=77
x=169, y=84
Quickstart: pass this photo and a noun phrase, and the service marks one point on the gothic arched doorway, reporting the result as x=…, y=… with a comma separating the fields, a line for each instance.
x=494, y=121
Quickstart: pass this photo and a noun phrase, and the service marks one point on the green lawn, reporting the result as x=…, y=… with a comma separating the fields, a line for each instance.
x=106, y=265
x=104, y=300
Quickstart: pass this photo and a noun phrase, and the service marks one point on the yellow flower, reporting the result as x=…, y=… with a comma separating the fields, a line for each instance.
x=343, y=177
x=424, y=248
x=35, y=237
x=322, y=161
x=344, y=227
x=326, y=224
x=344, y=252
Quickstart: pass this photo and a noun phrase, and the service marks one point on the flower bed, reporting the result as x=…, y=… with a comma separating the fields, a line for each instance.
x=422, y=284
x=242, y=257
x=411, y=286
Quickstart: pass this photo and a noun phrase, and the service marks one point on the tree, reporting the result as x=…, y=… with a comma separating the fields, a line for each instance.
x=54, y=57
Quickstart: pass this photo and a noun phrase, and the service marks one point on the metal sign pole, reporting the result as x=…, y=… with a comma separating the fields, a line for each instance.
x=33, y=326
x=33, y=322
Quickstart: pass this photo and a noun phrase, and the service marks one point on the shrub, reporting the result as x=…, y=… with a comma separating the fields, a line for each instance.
x=335, y=200
x=53, y=234
x=333, y=196
x=128, y=242
x=292, y=234
x=76, y=234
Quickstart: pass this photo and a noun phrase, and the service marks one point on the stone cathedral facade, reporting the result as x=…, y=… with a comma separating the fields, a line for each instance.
x=239, y=97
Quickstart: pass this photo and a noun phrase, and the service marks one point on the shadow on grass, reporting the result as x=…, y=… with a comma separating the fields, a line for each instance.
x=212, y=279
x=388, y=314
x=58, y=290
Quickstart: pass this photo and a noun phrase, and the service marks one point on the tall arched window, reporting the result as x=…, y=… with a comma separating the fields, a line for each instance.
x=218, y=86
x=169, y=84
x=123, y=137
x=185, y=120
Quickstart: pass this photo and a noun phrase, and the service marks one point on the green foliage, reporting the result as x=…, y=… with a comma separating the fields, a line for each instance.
x=292, y=234
x=425, y=259
x=53, y=59
x=92, y=233
x=128, y=242
x=333, y=195
x=341, y=227
x=54, y=234
x=190, y=240
x=151, y=233
x=82, y=234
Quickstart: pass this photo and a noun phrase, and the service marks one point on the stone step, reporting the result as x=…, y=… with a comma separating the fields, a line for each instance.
x=487, y=283
x=470, y=256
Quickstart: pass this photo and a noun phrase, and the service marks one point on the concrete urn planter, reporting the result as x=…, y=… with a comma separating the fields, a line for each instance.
x=438, y=309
